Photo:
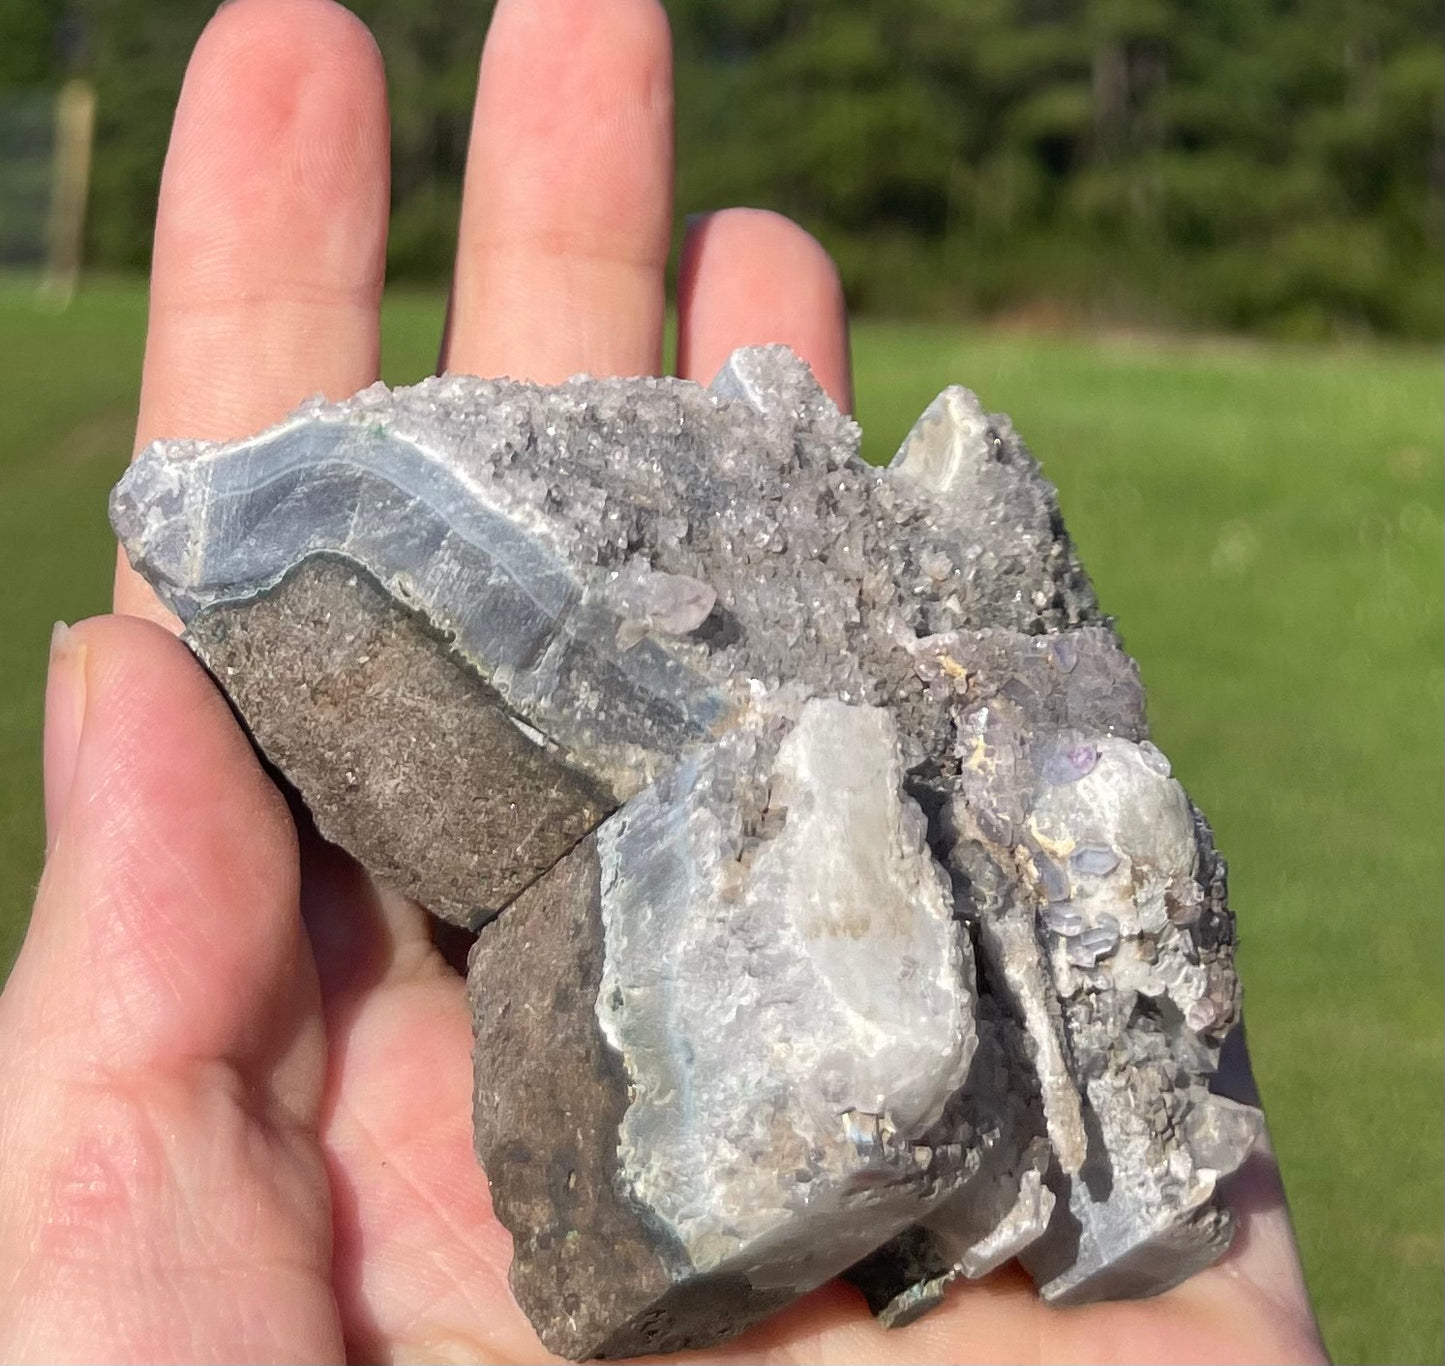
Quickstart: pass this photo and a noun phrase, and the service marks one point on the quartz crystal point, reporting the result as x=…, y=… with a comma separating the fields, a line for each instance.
x=836, y=910
x=775, y=1023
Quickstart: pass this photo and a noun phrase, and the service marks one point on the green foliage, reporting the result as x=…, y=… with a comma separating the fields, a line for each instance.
x=1240, y=164
x=431, y=48
x=1260, y=164
x=29, y=43
x=135, y=51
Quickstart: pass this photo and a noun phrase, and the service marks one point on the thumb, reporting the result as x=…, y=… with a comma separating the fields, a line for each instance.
x=162, y=1194
x=166, y=926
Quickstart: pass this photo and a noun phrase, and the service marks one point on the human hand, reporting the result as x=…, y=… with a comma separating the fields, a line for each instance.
x=234, y=1073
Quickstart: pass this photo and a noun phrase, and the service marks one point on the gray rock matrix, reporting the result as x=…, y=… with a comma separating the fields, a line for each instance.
x=836, y=913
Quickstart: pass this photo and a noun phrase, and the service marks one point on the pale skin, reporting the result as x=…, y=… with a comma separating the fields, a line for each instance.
x=234, y=1074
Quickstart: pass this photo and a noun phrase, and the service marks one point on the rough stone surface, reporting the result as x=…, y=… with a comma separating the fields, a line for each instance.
x=1099, y=906
x=402, y=753
x=503, y=513
x=772, y=1027
x=889, y=939
x=790, y=996
x=594, y=1274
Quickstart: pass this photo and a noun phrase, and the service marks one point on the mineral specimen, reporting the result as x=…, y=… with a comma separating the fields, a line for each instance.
x=836, y=912
x=772, y=1090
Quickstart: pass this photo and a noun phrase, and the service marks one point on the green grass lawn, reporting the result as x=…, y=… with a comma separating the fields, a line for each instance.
x=1265, y=522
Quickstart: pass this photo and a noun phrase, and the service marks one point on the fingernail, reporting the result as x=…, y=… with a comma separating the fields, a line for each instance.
x=64, y=722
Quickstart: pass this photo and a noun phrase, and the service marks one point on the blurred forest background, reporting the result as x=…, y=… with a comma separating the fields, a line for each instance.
x=1269, y=165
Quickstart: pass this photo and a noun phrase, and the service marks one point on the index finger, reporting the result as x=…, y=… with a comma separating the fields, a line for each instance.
x=270, y=232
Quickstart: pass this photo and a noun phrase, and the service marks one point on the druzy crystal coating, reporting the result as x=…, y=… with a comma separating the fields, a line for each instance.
x=836, y=914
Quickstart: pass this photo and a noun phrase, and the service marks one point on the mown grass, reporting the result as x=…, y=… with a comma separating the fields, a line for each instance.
x=1265, y=522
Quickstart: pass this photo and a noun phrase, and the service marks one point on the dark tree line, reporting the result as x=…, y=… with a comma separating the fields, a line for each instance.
x=1265, y=164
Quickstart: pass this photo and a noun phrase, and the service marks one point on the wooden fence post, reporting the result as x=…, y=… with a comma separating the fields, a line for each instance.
x=70, y=186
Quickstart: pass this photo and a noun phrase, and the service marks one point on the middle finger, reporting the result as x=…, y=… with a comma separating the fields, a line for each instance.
x=567, y=204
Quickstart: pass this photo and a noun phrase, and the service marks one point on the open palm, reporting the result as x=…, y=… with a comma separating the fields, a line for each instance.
x=235, y=1115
